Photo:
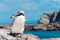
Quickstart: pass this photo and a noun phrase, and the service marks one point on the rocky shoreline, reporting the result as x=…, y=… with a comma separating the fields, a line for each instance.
x=36, y=26
x=48, y=21
x=43, y=27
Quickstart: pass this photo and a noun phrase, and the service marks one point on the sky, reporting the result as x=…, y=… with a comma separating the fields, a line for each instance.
x=33, y=9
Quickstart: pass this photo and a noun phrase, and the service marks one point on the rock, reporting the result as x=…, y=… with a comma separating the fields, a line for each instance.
x=32, y=37
x=55, y=16
x=51, y=39
x=54, y=38
x=4, y=36
x=48, y=18
x=40, y=27
x=44, y=19
x=28, y=27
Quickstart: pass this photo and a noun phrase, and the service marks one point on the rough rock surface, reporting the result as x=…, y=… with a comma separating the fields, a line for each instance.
x=44, y=19
x=4, y=35
x=50, y=18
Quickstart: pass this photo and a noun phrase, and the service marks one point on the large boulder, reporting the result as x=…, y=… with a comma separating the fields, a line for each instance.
x=55, y=17
x=48, y=18
x=45, y=19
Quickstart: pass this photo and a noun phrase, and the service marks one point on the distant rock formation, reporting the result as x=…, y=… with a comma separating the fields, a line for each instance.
x=48, y=18
x=56, y=16
x=44, y=19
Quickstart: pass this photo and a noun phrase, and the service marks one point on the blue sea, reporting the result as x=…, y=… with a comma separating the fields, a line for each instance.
x=44, y=33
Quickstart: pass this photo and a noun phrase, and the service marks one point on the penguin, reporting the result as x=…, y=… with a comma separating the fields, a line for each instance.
x=18, y=23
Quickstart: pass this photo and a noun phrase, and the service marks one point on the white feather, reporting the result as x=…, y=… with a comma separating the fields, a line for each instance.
x=18, y=25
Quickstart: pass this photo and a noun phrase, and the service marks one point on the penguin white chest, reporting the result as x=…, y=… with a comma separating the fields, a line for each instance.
x=18, y=25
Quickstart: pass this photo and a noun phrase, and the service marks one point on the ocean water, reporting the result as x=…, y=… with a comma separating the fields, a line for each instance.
x=44, y=33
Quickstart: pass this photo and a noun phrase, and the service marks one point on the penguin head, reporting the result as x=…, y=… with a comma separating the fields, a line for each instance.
x=21, y=12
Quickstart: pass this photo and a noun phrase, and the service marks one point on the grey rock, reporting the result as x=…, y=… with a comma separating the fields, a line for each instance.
x=4, y=36
x=44, y=19
x=48, y=18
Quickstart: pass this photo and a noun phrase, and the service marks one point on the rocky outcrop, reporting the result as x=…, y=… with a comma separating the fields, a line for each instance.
x=55, y=17
x=48, y=18
x=44, y=19
x=52, y=26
